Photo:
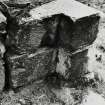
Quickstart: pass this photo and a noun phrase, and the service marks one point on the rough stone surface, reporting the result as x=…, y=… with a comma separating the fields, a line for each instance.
x=29, y=1
x=25, y=35
x=22, y=35
x=70, y=56
x=87, y=34
x=2, y=26
x=68, y=8
x=73, y=67
x=2, y=68
x=76, y=35
x=30, y=67
x=2, y=50
x=26, y=28
x=2, y=75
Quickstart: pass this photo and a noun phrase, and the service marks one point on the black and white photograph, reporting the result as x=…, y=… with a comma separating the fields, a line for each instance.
x=52, y=52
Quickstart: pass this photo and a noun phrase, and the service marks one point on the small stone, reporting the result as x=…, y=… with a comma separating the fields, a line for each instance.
x=22, y=101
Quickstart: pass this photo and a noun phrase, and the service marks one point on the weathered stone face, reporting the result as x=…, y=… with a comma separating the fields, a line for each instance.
x=79, y=63
x=25, y=37
x=27, y=68
x=77, y=69
x=28, y=30
x=2, y=50
x=2, y=75
x=72, y=66
x=26, y=34
x=85, y=31
x=64, y=63
x=82, y=32
x=3, y=24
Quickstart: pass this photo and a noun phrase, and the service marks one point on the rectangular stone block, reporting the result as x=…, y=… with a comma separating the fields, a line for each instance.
x=2, y=68
x=78, y=23
x=61, y=23
x=28, y=29
x=30, y=67
x=74, y=9
x=73, y=67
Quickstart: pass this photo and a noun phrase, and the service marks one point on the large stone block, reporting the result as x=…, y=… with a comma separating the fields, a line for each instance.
x=27, y=29
x=30, y=67
x=53, y=26
x=71, y=65
x=2, y=68
x=78, y=23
